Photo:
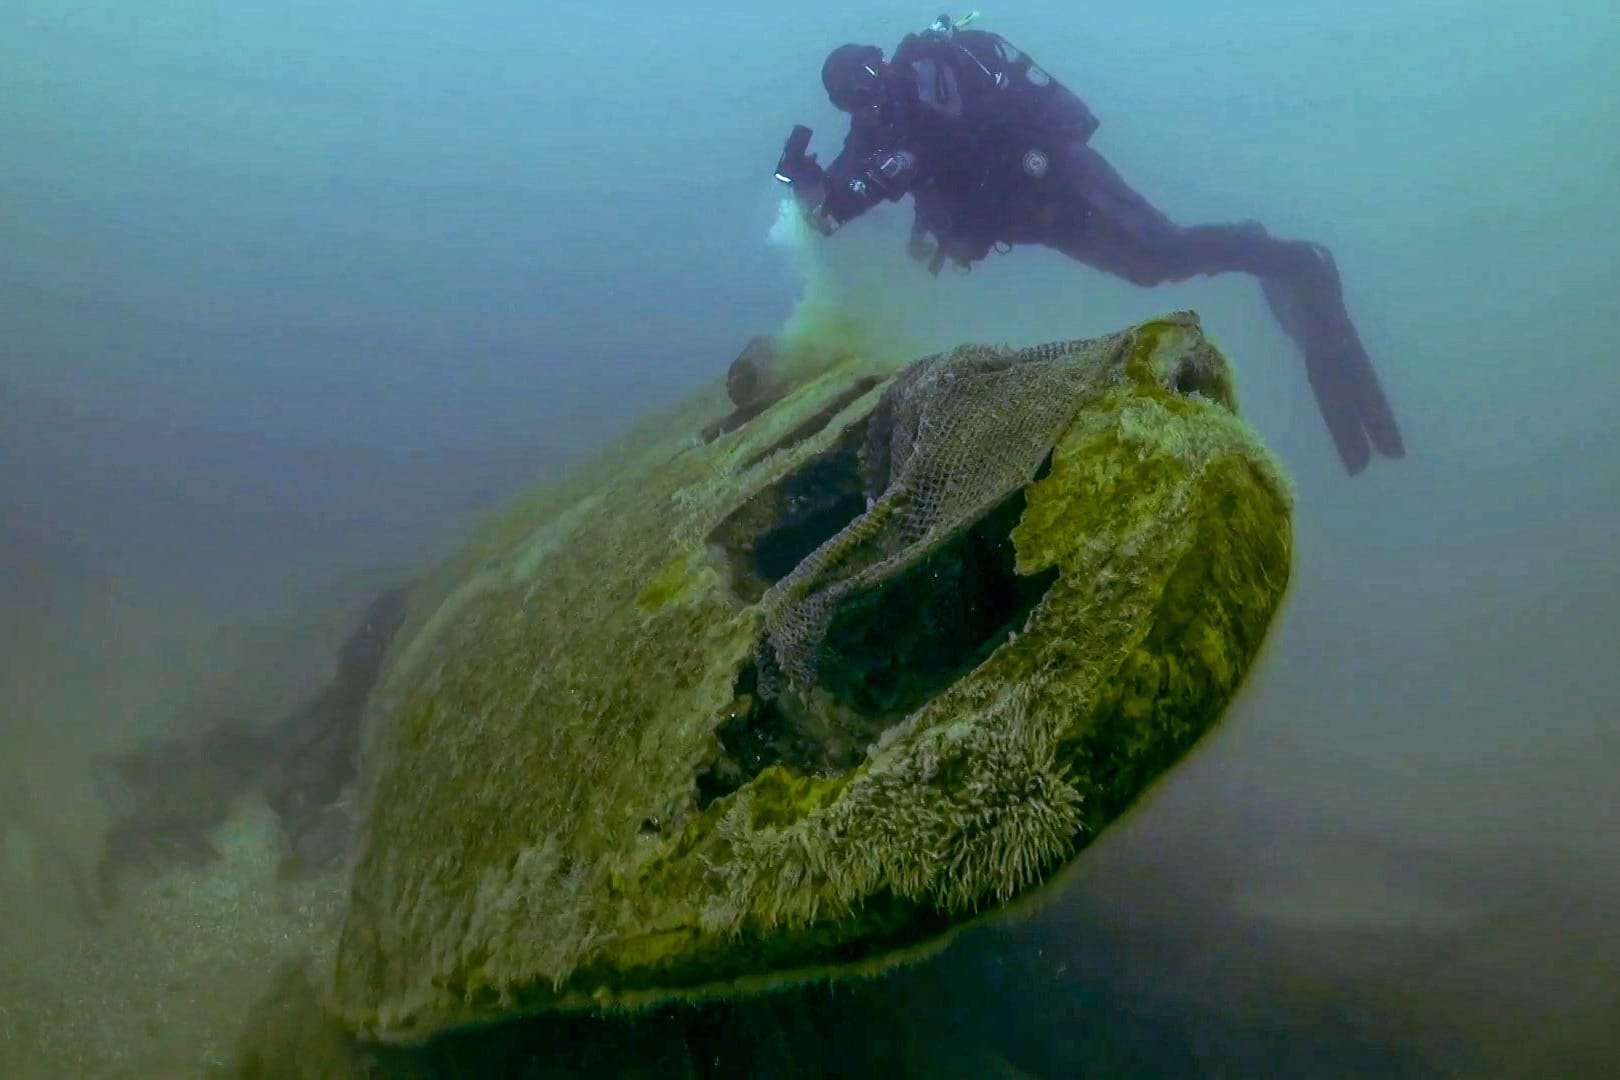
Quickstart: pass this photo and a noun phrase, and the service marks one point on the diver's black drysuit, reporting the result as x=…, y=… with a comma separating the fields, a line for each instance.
x=994, y=152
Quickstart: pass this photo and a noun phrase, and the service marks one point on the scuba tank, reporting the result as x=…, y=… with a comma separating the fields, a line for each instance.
x=1023, y=122
x=1016, y=90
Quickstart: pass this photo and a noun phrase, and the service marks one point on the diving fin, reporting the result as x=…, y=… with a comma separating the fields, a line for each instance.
x=1348, y=393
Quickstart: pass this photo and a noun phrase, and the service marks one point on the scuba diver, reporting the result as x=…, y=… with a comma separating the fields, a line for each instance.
x=995, y=152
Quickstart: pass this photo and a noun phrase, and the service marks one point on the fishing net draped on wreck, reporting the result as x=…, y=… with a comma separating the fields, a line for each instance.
x=717, y=715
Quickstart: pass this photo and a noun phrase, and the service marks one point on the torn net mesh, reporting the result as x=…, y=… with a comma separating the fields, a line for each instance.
x=954, y=435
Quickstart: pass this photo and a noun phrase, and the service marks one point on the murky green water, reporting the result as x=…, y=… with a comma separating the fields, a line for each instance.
x=292, y=295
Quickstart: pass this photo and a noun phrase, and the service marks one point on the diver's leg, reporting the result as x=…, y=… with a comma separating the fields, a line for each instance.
x=1107, y=224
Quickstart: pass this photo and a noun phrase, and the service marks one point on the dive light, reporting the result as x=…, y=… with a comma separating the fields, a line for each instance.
x=795, y=165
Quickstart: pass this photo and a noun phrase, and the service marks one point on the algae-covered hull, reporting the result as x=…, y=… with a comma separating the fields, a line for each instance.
x=805, y=697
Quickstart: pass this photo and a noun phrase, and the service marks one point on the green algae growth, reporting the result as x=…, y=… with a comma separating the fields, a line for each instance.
x=577, y=794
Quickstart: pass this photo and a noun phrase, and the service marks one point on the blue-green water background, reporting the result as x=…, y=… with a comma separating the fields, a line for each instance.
x=292, y=292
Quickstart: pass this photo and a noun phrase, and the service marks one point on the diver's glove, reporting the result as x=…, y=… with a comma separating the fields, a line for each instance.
x=820, y=220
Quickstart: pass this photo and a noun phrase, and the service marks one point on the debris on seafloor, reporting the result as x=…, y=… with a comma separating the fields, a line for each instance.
x=169, y=794
x=871, y=660
x=875, y=658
